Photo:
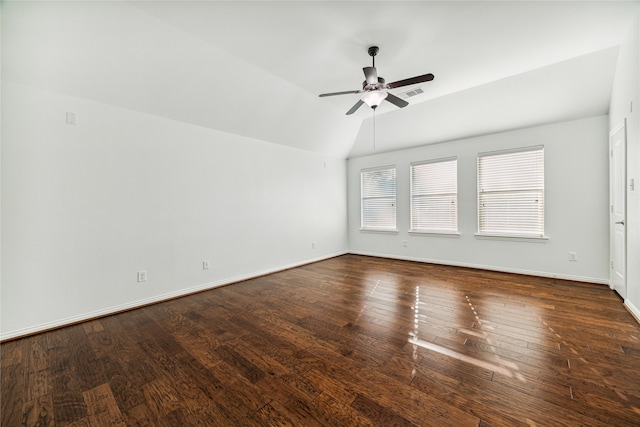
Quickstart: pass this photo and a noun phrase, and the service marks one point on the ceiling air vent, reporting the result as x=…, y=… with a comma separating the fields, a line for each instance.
x=410, y=93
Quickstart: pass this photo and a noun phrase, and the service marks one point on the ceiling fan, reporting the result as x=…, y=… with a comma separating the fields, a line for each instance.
x=375, y=90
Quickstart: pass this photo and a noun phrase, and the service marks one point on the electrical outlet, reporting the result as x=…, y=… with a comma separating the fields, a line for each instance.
x=404, y=243
x=206, y=265
x=142, y=276
x=573, y=256
x=313, y=245
x=71, y=118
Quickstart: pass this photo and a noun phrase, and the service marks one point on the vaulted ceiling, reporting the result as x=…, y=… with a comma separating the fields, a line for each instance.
x=256, y=68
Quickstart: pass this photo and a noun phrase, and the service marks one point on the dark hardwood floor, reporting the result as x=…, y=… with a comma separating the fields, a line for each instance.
x=351, y=341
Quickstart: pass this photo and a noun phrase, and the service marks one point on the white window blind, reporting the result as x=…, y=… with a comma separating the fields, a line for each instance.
x=434, y=196
x=378, y=190
x=511, y=193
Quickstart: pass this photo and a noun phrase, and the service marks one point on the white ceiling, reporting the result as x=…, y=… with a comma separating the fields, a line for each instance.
x=256, y=68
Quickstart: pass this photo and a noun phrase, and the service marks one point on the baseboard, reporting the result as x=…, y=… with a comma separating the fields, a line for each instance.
x=599, y=281
x=36, y=329
x=632, y=309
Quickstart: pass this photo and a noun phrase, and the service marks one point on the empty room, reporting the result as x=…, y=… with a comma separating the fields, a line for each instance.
x=320, y=213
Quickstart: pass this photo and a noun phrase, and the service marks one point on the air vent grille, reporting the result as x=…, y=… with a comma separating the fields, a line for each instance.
x=410, y=93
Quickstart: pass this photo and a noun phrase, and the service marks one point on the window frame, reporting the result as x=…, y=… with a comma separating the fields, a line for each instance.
x=369, y=227
x=412, y=196
x=540, y=234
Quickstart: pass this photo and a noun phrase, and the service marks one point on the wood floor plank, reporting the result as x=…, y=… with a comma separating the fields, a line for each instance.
x=238, y=398
x=12, y=396
x=38, y=384
x=341, y=412
x=240, y=364
x=269, y=415
x=352, y=340
x=102, y=408
x=161, y=397
x=88, y=372
x=126, y=389
x=331, y=387
x=383, y=415
x=12, y=353
x=38, y=412
x=139, y=416
x=37, y=359
x=301, y=413
x=413, y=404
x=68, y=402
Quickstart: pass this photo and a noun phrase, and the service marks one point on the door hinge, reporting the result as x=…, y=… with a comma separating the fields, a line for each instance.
x=611, y=208
x=611, y=262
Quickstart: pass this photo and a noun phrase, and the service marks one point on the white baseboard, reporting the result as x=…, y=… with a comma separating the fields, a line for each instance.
x=632, y=309
x=599, y=281
x=152, y=300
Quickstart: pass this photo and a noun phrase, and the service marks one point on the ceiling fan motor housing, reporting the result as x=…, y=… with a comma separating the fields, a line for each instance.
x=379, y=85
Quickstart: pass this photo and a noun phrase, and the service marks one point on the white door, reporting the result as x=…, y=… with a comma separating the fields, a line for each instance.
x=618, y=197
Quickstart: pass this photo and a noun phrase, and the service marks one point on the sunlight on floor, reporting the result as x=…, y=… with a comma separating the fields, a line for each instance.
x=503, y=367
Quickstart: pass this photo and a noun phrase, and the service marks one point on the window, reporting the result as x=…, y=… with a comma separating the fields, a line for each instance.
x=434, y=196
x=511, y=193
x=378, y=190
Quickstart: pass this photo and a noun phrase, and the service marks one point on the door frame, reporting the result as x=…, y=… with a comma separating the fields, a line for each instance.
x=620, y=127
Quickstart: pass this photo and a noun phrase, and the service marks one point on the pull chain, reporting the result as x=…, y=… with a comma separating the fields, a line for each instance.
x=374, y=129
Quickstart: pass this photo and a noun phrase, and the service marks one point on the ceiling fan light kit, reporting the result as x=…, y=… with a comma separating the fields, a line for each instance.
x=374, y=98
x=375, y=89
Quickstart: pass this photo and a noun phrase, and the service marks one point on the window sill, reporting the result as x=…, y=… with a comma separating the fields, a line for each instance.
x=512, y=238
x=380, y=230
x=440, y=233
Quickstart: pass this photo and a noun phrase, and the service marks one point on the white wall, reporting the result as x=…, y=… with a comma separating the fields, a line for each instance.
x=576, y=205
x=625, y=103
x=85, y=207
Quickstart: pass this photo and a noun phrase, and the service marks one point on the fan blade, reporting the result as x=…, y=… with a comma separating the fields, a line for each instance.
x=411, y=81
x=355, y=107
x=398, y=102
x=371, y=75
x=339, y=93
